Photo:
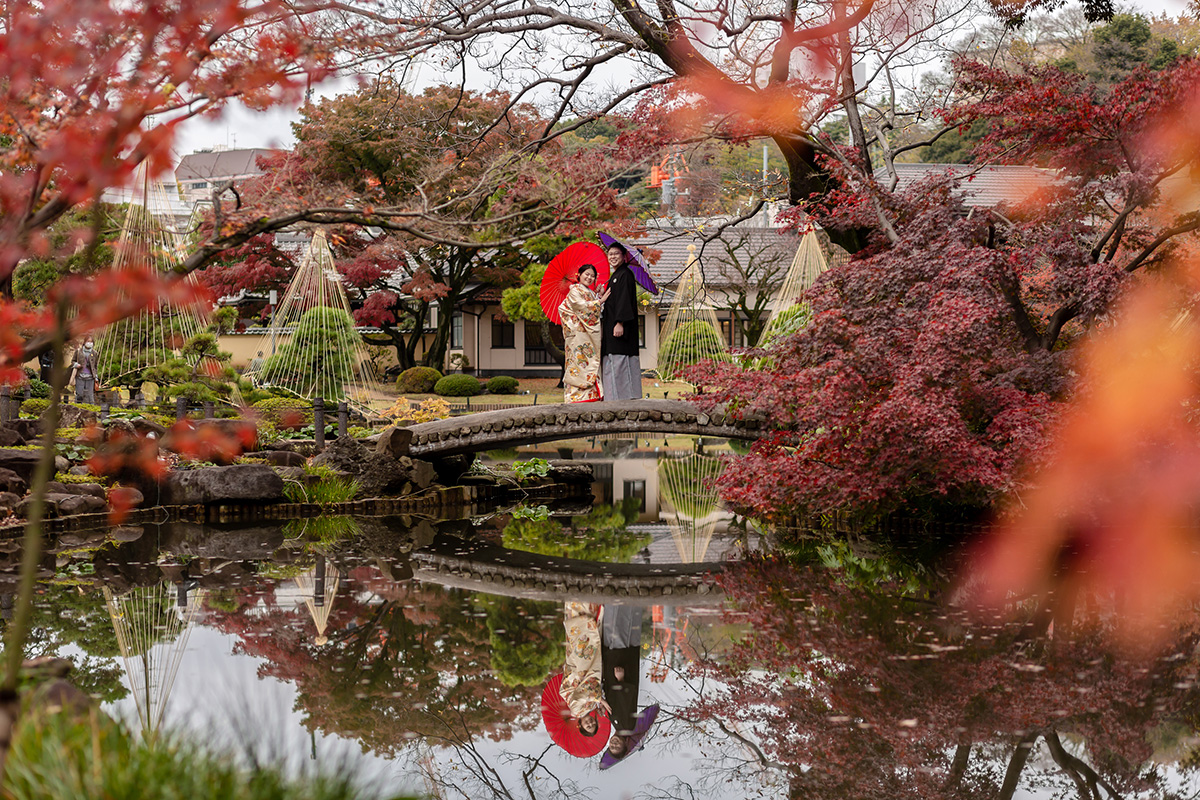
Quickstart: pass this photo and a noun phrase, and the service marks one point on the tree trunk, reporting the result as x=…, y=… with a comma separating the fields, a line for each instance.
x=1015, y=766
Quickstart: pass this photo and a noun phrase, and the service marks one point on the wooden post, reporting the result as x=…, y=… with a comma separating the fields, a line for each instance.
x=208, y=409
x=343, y=418
x=180, y=407
x=319, y=422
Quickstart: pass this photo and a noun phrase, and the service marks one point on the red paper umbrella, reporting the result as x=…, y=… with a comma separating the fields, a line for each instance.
x=563, y=268
x=564, y=729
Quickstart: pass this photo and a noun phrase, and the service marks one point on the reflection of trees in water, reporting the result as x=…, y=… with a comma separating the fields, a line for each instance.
x=602, y=534
x=402, y=662
x=874, y=694
x=526, y=638
x=66, y=615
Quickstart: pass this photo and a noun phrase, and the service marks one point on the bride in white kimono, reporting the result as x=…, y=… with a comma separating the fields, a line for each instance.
x=580, y=313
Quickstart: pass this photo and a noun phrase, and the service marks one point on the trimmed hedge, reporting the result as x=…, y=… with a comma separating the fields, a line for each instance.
x=294, y=410
x=417, y=380
x=502, y=384
x=458, y=386
x=38, y=388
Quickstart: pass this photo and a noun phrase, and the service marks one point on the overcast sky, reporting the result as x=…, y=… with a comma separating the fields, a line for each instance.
x=239, y=127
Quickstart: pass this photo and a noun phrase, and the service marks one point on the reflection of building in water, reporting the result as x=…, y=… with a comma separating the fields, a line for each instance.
x=316, y=590
x=152, y=624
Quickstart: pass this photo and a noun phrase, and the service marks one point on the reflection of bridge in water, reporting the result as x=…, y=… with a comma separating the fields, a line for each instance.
x=511, y=427
x=481, y=567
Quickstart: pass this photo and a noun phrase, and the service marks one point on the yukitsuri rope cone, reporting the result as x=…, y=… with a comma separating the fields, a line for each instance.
x=152, y=633
x=312, y=348
x=319, y=587
x=687, y=497
x=148, y=236
x=789, y=312
x=691, y=333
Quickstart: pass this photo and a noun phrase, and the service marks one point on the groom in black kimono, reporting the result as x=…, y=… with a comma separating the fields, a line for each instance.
x=620, y=368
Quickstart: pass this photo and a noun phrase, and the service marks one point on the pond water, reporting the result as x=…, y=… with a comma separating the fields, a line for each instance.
x=843, y=671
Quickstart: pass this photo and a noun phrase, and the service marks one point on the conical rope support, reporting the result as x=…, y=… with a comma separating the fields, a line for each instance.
x=312, y=348
x=152, y=634
x=148, y=238
x=691, y=332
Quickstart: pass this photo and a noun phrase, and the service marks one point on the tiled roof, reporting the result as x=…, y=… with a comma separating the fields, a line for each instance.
x=745, y=245
x=979, y=186
x=220, y=164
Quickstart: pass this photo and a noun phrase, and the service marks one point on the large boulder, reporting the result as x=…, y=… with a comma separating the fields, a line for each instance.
x=394, y=442
x=377, y=474
x=10, y=438
x=72, y=416
x=26, y=428
x=62, y=504
x=238, y=482
x=10, y=481
x=21, y=462
x=284, y=458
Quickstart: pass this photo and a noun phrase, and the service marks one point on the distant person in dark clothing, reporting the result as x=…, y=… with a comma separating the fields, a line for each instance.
x=46, y=365
x=621, y=370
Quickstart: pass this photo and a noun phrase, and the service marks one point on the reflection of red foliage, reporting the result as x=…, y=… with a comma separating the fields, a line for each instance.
x=869, y=694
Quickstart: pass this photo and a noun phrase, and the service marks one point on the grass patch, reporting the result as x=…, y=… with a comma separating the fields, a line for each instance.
x=330, y=487
x=55, y=757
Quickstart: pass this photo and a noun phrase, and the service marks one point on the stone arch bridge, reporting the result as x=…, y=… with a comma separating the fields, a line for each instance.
x=476, y=566
x=511, y=427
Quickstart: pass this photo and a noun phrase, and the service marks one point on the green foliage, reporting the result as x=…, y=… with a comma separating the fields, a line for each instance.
x=33, y=277
x=73, y=451
x=522, y=302
x=280, y=410
x=789, y=321
x=330, y=487
x=132, y=344
x=526, y=471
x=35, y=406
x=525, y=637
x=502, y=384
x=531, y=512
x=690, y=344
x=417, y=380
x=56, y=756
x=600, y=535
x=38, y=388
x=67, y=477
x=201, y=372
x=956, y=146
x=458, y=386
x=318, y=361
x=321, y=530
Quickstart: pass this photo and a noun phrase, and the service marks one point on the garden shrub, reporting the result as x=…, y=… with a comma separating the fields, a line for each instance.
x=418, y=380
x=35, y=406
x=38, y=388
x=294, y=410
x=502, y=384
x=690, y=344
x=458, y=386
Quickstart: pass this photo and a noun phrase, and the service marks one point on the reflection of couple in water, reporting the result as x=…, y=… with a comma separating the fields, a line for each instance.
x=598, y=694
